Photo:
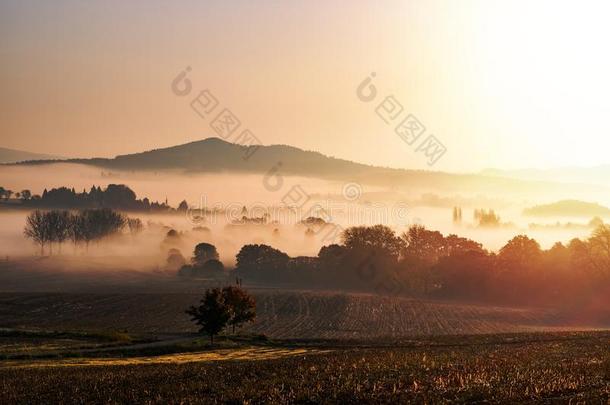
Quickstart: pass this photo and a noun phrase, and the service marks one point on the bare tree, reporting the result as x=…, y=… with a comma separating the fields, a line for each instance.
x=135, y=225
x=58, y=225
x=37, y=230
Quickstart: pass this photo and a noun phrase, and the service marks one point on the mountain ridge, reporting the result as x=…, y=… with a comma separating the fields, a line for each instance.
x=598, y=174
x=8, y=156
x=214, y=155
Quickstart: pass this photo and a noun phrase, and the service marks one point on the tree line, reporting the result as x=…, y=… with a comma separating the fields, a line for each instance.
x=21, y=195
x=426, y=263
x=114, y=196
x=46, y=228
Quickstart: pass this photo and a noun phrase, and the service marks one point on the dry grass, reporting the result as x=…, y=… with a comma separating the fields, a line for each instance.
x=550, y=368
x=244, y=353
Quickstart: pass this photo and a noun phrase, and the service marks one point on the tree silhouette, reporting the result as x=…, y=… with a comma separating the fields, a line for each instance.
x=421, y=246
x=242, y=306
x=520, y=253
x=37, y=230
x=261, y=261
x=26, y=194
x=204, y=252
x=213, y=266
x=183, y=207
x=210, y=268
x=58, y=225
x=599, y=249
x=175, y=260
x=135, y=225
x=212, y=314
x=378, y=238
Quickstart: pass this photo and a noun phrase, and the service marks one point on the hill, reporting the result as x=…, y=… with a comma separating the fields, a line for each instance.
x=213, y=155
x=572, y=174
x=568, y=208
x=14, y=156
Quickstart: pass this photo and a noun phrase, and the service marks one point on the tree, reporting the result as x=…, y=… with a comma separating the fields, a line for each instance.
x=519, y=264
x=118, y=196
x=183, y=207
x=58, y=225
x=421, y=246
x=212, y=314
x=135, y=225
x=330, y=256
x=422, y=250
x=204, y=252
x=520, y=253
x=211, y=268
x=487, y=218
x=456, y=244
x=96, y=224
x=557, y=257
x=378, y=238
x=464, y=274
x=37, y=230
x=175, y=260
x=242, y=306
x=80, y=229
x=599, y=249
x=261, y=259
x=370, y=258
x=172, y=238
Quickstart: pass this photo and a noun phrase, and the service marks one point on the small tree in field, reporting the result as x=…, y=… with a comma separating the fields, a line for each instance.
x=241, y=305
x=212, y=314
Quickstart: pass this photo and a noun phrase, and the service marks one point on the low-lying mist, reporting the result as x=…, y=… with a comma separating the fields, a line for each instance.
x=267, y=194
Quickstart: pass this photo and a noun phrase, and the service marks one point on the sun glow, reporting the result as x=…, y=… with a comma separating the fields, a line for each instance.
x=544, y=69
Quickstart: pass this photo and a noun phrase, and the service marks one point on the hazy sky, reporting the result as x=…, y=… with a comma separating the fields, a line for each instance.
x=499, y=83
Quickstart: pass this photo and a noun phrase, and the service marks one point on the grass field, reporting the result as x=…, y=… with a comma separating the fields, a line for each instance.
x=544, y=368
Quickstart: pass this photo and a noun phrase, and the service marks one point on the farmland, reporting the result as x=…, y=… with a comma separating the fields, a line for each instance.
x=498, y=368
x=135, y=344
x=282, y=315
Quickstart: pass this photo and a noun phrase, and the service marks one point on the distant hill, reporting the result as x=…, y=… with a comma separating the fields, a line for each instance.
x=568, y=208
x=589, y=175
x=213, y=155
x=14, y=156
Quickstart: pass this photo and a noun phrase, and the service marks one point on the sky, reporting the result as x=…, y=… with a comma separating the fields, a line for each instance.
x=503, y=84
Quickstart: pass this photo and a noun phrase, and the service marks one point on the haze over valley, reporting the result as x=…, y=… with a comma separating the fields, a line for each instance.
x=237, y=202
